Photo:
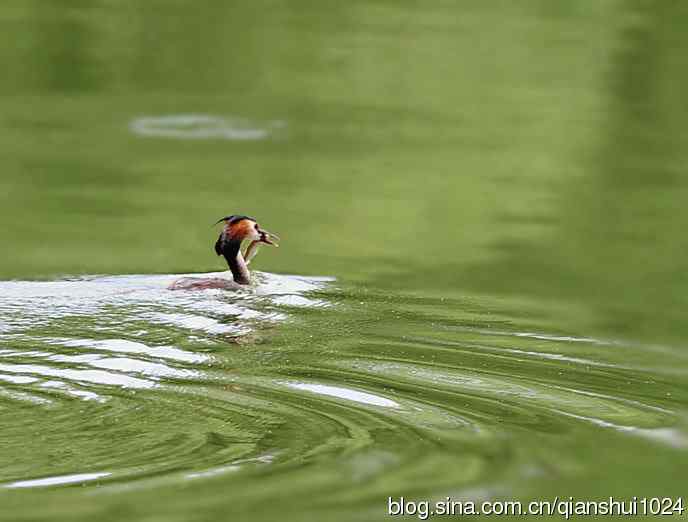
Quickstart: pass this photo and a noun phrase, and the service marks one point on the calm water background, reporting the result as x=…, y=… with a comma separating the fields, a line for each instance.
x=481, y=291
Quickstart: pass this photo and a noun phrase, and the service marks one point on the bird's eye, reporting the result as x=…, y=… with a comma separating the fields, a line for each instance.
x=255, y=226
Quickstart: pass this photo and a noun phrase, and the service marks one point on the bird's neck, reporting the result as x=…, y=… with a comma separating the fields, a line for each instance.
x=236, y=263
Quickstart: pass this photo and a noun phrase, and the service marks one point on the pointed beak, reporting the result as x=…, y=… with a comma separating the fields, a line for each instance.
x=268, y=237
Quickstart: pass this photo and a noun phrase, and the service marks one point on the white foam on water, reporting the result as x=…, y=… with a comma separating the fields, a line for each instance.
x=56, y=481
x=344, y=393
x=18, y=379
x=126, y=346
x=203, y=127
x=89, y=376
x=103, y=312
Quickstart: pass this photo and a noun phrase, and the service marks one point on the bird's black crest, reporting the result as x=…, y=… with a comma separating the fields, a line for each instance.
x=234, y=218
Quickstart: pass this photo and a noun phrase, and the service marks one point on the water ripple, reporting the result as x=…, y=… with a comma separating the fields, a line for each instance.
x=203, y=127
x=138, y=385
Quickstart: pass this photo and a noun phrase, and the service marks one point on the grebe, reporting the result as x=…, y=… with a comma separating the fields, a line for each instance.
x=236, y=229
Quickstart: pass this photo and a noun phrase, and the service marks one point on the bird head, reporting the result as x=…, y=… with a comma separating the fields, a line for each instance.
x=239, y=228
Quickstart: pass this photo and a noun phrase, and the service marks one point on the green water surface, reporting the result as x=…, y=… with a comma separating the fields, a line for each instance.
x=491, y=196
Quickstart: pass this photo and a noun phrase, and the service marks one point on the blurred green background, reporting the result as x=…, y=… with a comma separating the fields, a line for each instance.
x=530, y=147
x=530, y=153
